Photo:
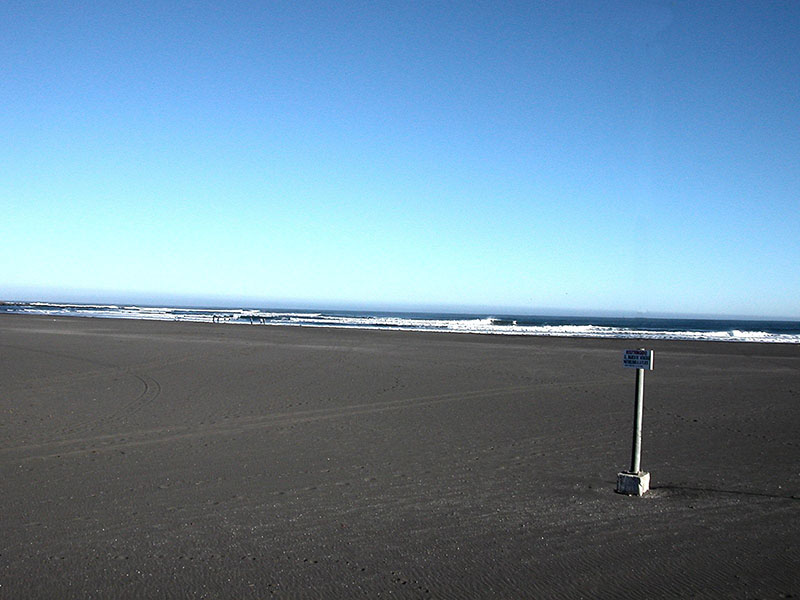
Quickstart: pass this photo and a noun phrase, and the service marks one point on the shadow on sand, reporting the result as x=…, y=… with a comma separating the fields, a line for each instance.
x=710, y=490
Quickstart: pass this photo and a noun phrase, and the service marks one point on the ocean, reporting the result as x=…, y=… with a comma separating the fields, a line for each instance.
x=720, y=330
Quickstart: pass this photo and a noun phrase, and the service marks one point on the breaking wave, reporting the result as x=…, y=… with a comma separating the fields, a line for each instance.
x=585, y=327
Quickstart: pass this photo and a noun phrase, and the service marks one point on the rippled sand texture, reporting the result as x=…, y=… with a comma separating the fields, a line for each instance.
x=146, y=459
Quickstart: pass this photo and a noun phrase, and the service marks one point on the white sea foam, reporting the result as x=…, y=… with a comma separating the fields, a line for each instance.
x=484, y=325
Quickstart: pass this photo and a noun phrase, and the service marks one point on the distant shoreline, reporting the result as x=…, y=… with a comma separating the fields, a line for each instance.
x=639, y=328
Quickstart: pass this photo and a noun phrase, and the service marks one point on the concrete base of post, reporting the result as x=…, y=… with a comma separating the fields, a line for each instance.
x=633, y=484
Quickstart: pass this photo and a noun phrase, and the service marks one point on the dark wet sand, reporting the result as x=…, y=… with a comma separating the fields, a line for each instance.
x=170, y=460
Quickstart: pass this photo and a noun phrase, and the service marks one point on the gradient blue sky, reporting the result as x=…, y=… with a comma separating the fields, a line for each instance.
x=572, y=157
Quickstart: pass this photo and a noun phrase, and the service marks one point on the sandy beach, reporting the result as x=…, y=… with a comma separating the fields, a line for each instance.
x=171, y=460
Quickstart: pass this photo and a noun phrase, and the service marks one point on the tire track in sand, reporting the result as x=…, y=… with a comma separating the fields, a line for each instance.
x=151, y=389
x=121, y=440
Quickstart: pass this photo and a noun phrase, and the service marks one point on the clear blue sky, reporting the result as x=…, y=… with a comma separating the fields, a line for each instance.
x=535, y=156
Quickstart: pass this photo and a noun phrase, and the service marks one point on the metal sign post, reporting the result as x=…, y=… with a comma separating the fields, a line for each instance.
x=636, y=481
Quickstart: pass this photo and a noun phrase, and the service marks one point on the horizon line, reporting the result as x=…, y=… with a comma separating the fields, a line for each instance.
x=400, y=308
